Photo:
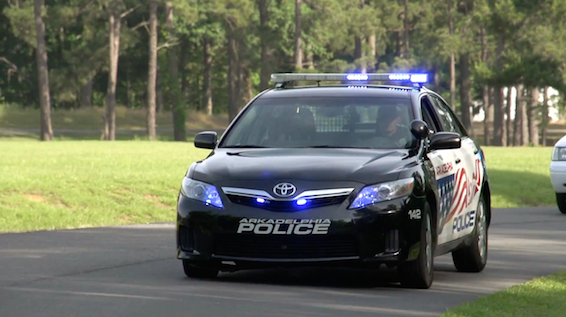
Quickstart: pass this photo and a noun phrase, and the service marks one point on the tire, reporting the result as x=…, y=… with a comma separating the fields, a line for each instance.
x=193, y=271
x=473, y=258
x=561, y=201
x=419, y=273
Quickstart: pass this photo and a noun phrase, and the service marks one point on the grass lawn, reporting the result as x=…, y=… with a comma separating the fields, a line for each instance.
x=68, y=184
x=519, y=176
x=544, y=297
x=72, y=184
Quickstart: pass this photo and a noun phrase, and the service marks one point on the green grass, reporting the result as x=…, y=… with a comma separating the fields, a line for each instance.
x=519, y=176
x=69, y=184
x=544, y=297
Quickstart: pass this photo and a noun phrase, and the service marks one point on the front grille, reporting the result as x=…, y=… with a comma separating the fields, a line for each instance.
x=289, y=206
x=392, y=241
x=186, y=239
x=285, y=247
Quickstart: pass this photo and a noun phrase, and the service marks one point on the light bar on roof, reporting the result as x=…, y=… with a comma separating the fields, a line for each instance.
x=288, y=77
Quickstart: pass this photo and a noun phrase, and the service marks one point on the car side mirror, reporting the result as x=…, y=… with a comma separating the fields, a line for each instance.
x=419, y=129
x=445, y=141
x=206, y=140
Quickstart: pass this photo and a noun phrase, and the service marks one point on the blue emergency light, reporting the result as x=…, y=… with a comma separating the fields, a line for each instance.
x=417, y=78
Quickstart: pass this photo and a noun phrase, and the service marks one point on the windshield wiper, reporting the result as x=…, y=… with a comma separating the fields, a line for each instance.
x=245, y=146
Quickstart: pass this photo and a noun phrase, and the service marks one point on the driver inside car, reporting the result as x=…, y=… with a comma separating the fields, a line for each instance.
x=390, y=129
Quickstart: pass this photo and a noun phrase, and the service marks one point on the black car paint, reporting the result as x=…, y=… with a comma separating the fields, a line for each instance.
x=263, y=168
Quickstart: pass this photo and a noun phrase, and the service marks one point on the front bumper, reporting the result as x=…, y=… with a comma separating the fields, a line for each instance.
x=558, y=176
x=332, y=234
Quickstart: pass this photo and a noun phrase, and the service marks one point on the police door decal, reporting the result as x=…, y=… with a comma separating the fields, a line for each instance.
x=444, y=170
x=463, y=221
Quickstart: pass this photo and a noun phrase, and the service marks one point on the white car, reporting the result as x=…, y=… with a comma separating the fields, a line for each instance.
x=558, y=173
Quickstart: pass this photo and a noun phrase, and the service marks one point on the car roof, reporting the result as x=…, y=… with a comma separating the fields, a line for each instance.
x=342, y=91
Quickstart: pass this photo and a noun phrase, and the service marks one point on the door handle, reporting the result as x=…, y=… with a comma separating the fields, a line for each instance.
x=458, y=161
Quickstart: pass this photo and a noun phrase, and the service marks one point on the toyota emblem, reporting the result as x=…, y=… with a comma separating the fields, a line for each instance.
x=284, y=189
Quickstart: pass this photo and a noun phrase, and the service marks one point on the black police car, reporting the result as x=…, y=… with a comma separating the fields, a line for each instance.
x=349, y=174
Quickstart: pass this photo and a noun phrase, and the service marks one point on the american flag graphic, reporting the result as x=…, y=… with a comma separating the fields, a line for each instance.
x=446, y=189
x=460, y=199
x=453, y=195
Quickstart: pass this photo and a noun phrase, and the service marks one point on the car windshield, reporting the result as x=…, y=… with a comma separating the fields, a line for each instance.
x=329, y=122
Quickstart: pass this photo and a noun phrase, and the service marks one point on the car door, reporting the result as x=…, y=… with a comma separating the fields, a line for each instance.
x=443, y=162
x=460, y=220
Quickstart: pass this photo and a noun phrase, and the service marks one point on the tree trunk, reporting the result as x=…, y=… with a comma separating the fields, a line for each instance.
x=265, y=71
x=309, y=57
x=485, y=90
x=240, y=71
x=247, y=85
x=183, y=68
x=487, y=117
x=524, y=117
x=508, y=131
x=233, y=74
x=406, y=29
x=359, y=47
x=544, y=118
x=114, y=25
x=400, y=45
x=516, y=136
x=152, y=71
x=373, y=51
x=298, y=39
x=532, y=116
x=177, y=106
x=466, y=92
x=86, y=93
x=359, y=54
x=499, y=110
x=46, y=131
x=128, y=90
x=499, y=138
x=452, y=62
x=207, y=78
x=159, y=102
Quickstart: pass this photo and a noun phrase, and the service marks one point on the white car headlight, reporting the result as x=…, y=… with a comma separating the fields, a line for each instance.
x=559, y=154
x=373, y=194
x=204, y=192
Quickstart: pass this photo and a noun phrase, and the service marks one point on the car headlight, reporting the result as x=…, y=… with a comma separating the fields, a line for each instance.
x=204, y=192
x=373, y=194
x=559, y=154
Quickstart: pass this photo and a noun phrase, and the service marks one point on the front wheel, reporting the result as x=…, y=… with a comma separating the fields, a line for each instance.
x=473, y=258
x=561, y=201
x=420, y=272
x=198, y=272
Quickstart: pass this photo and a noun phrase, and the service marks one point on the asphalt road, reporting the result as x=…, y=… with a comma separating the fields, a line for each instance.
x=131, y=271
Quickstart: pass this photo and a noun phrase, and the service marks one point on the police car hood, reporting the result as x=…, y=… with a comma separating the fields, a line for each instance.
x=365, y=166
